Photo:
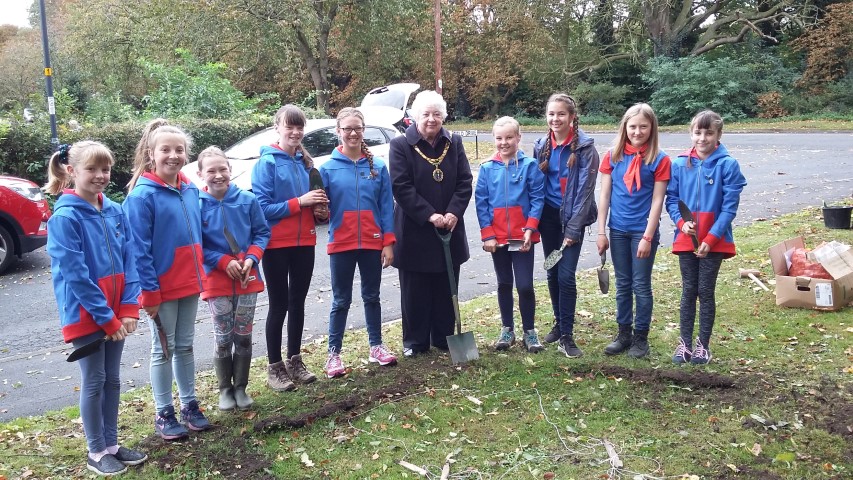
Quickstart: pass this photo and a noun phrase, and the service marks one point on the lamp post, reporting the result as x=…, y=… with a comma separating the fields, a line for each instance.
x=48, y=77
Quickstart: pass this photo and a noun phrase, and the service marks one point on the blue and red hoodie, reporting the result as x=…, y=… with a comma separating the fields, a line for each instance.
x=278, y=180
x=166, y=226
x=361, y=205
x=509, y=198
x=93, y=266
x=241, y=213
x=711, y=189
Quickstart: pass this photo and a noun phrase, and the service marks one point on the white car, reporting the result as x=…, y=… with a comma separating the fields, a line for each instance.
x=320, y=139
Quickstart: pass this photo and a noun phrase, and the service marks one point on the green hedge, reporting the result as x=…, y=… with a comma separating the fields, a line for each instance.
x=25, y=148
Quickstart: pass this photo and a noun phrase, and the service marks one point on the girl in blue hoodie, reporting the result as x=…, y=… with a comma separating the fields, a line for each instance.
x=234, y=235
x=96, y=285
x=163, y=210
x=361, y=224
x=709, y=182
x=509, y=197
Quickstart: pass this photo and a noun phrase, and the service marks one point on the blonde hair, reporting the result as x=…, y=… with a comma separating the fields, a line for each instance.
x=354, y=112
x=142, y=159
x=81, y=153
x=508, y=121
x=622, y=137
x=292, y=115
x=209, y=152
x=545, y=153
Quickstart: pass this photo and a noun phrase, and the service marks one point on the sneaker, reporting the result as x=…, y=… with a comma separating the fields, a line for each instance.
x=682, y=353
x=700, y=355
x=381, y=355
x=277, y=378
x=568, y=347
x=553, y=335
x=505, y=339
x=193, y=418
x=296, y=370
x=531, y=341
x=335, y=366
x=167, y=426
x=409, y=352
x=130, y=457
x=107, y=466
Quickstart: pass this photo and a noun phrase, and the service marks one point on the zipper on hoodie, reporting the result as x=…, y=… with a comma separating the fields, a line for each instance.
x=110, y=253
x=506, y=201
x=698, y=195
x=225, y=224
x=190, y=230
x=357, y=204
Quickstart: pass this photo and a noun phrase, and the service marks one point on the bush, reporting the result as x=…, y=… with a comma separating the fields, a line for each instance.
x=729, y=86
x=25, y=148
x=601, y=100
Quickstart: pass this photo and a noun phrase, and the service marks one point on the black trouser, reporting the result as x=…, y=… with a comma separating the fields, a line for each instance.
x=699, y=280
x=287, y=272
x=551, y=232
x=522, y=264
x=427, y=309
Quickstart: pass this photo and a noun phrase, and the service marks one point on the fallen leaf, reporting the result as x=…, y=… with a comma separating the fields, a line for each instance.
x=305, y=460
x=755, y=450
x=733, y=467
x=474, y=400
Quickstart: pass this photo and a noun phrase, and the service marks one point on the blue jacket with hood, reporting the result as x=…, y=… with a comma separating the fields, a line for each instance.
x=577, y=184
x=509, y=198
x=93, y=266
x=241, y=213
x=166, y=226
x=361, y=205
x=711, y=189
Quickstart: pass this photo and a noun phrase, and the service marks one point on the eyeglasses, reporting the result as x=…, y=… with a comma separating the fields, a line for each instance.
x=349, y=130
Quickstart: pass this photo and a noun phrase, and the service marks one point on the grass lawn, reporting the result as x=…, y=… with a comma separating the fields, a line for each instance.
x=775, y=403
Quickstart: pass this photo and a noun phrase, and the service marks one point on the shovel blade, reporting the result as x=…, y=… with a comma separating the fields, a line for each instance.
x=553, y=258
x=462, y=347
x=86, y=350
x=603, y=280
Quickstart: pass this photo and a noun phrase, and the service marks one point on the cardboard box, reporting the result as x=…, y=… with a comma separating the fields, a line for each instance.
x=816, y=293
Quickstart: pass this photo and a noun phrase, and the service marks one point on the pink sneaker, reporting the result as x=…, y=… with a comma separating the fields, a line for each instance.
x=381, y=355
x=335, y=366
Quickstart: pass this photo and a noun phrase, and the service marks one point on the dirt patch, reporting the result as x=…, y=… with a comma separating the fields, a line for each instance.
x=693, y=378
x=747, y=473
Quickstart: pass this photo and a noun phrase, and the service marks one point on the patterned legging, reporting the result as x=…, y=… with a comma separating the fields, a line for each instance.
x=699, y=280
x=232, y=324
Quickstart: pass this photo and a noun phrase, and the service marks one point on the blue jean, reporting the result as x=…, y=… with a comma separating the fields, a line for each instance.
x=178, y=319
x=551, y=232
x=522, y=264
x=568, y=297
x=633, y=278
x=342, y=266
x=100, y=389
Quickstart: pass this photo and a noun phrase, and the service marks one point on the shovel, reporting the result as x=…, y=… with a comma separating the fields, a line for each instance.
x=87, y=349
x=603, y=275
x=554, y=257
x=462, y=346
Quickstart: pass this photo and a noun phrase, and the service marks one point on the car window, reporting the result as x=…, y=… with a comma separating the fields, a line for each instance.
x=320, y=142
x=373, y=136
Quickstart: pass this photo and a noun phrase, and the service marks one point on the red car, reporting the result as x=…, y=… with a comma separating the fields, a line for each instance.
x=23, y=219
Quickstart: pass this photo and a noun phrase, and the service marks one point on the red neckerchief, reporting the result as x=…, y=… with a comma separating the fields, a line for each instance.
x=567, y=141
x=632, y=175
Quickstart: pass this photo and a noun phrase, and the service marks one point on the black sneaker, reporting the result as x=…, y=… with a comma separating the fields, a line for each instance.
x=130, y=457
x=568, y=347
x=553, y=335
x=192, y=417
x=107, y=467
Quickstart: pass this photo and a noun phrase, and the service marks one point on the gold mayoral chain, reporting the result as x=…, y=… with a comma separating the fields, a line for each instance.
x=437, y=174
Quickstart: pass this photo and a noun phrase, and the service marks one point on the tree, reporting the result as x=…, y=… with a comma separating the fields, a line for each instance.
x=829, y=54
x=20, y=69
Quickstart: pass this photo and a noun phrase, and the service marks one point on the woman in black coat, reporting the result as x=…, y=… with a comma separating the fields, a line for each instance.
x=432, y=185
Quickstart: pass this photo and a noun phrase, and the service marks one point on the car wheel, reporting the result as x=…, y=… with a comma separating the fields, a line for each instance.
x=7, y=250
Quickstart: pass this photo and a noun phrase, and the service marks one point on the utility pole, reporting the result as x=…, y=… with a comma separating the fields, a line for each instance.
x=438, y=83
x=48, y=78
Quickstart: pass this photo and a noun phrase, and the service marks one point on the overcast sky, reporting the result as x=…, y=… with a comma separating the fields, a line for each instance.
x=15, y=12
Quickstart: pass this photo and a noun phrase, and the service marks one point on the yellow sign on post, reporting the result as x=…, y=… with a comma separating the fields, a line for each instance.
x=48, y=72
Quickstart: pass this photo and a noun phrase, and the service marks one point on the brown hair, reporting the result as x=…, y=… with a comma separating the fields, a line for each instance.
x=545, y=153
x=709, y=120
x=211, y=151
x=292, y=115
x=83, y=153
x=354, y=112
x=142, y=159
x=622, y=137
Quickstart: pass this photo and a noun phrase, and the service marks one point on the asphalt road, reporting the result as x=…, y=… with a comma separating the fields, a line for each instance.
x=785, y=171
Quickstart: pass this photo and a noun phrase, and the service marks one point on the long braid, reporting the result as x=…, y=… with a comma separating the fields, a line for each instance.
x=574, y=144
x=366, y=152
x=545, y=155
